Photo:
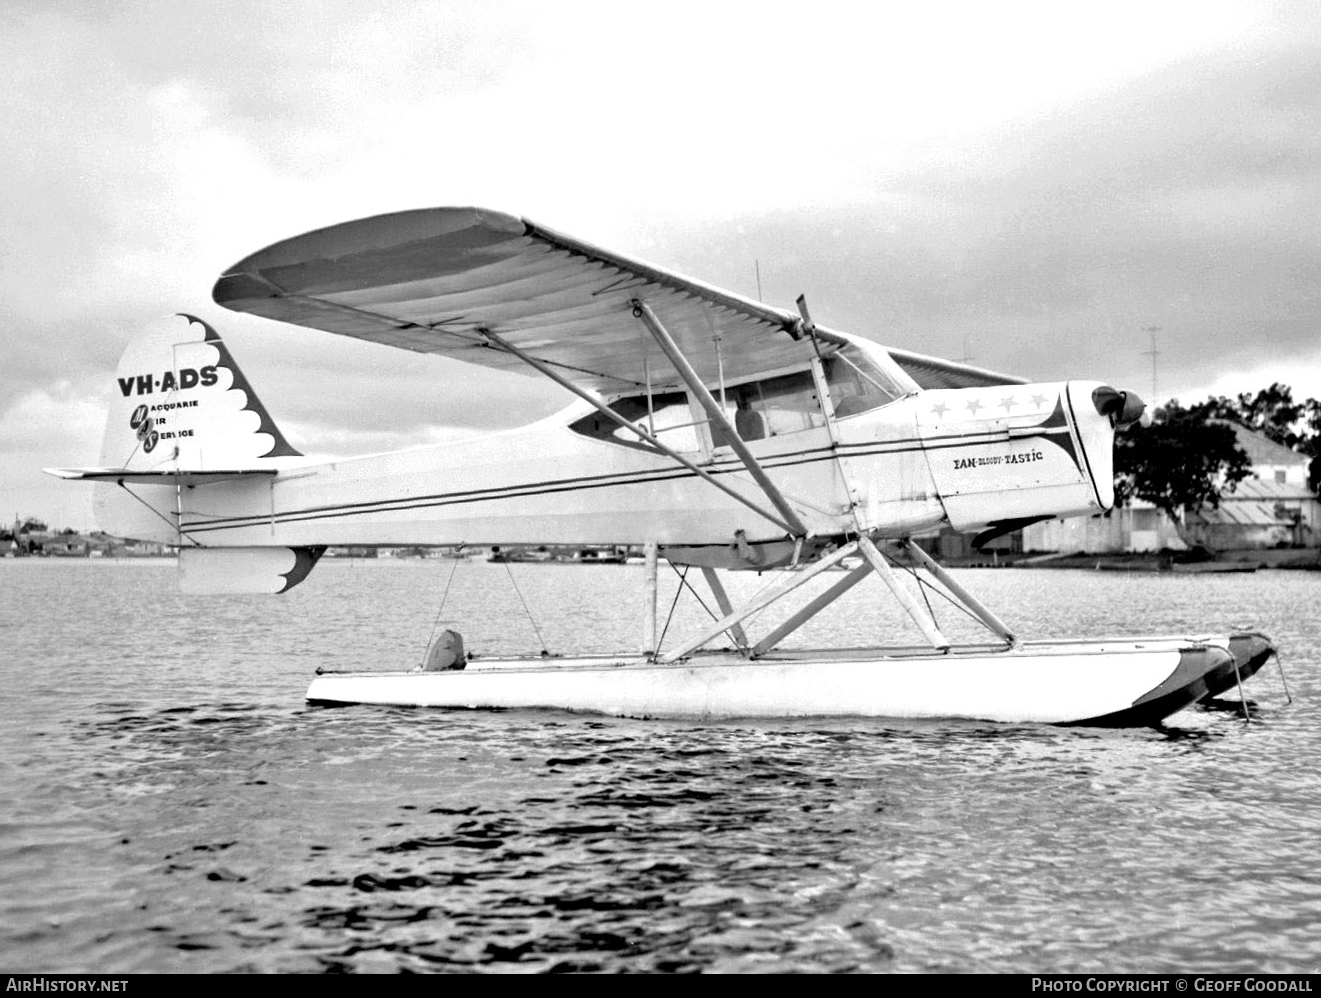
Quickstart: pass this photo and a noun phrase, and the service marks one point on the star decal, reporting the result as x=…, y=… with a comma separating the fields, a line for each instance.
x=973, y=406
x=1007, y=403
x=940, y=408
x=1039, y=401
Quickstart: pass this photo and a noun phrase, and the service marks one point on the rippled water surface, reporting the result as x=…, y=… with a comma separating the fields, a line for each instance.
x=172, y=805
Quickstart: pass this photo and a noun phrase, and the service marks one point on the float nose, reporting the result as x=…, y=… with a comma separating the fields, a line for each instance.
x=1122, y=408
x=1251, y=651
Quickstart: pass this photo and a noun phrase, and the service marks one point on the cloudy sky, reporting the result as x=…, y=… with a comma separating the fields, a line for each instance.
x=1028, y=185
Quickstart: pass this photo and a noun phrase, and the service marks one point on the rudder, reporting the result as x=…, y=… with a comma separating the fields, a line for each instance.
x=182, y=404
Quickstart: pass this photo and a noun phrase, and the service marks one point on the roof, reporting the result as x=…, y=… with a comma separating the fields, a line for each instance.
x=1251, y=514
x=1265, y=490
x=1261, y=449
x=1256, y=502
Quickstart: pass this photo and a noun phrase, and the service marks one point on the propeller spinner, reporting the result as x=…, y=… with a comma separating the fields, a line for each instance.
x=1122, y=408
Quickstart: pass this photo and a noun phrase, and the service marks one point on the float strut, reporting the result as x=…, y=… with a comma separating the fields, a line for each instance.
x=920, y=615
x=760, y=603
x=992, y=622
x=854, y=576
x=649, y=601
x=722, y=601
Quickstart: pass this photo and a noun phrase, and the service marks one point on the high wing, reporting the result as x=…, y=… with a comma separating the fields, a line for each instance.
x=436, y=280
x=431, y=280
x=934, y=372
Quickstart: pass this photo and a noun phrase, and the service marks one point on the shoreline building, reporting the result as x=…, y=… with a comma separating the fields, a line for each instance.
x=1272, y=508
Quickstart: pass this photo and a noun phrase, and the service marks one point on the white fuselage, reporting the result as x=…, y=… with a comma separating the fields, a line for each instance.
x=966, y=457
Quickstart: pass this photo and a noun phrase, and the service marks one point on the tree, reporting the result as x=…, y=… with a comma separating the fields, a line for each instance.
x=1311, y=444
x=1271, y=412
x=1274, y=413
x=1184, y=460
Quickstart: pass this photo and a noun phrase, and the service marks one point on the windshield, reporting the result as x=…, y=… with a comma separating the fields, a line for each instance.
x=858, y=385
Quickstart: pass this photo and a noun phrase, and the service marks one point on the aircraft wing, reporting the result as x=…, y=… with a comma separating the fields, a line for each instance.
x=432, y=280
x=934, y=372
x=429, y=280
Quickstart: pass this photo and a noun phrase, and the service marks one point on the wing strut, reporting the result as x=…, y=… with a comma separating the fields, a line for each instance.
x=564, y=382
x=671, y=349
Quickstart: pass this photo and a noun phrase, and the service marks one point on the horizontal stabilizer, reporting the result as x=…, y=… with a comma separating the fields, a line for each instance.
x=127, y=476
x=251, y=571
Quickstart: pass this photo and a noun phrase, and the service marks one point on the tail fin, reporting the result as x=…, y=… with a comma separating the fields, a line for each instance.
x=183, y=415
x=182, y=408
x=182, y=405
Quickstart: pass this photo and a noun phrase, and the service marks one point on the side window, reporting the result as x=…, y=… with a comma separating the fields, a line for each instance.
x=757, y=410
x=772, y=407
x=670, y=420
x=857, y=385
x=790, y=403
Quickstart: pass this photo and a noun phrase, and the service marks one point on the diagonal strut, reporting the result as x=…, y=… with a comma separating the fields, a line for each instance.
x=671, y=349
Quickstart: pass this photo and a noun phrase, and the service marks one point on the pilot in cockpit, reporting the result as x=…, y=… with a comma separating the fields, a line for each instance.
x=748, y=424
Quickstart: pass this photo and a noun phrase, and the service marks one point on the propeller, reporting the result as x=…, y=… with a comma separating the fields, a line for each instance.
x=1123, y=408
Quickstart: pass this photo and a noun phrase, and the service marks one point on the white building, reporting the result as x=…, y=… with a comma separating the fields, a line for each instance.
x=1271, y=508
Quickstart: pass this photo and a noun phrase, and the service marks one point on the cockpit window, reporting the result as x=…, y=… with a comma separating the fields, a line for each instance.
x=772, y=407
x=669, y=420
x=858, y=385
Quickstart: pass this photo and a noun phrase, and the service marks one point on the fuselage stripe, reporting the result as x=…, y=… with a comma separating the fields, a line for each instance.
x=726, y=466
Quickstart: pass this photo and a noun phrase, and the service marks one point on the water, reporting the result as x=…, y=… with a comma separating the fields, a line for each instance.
x=171, y=805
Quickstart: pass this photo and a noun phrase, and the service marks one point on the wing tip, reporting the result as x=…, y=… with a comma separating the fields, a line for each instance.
x=262, y=275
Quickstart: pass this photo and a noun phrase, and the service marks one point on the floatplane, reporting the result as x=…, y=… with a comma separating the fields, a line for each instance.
x=710, y=430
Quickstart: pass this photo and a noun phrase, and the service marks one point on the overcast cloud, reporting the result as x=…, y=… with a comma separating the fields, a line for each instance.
x=1028, y=184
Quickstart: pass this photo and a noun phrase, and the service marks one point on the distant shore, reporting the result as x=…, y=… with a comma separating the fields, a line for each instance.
x=1300, y=559
x=1307, y=559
